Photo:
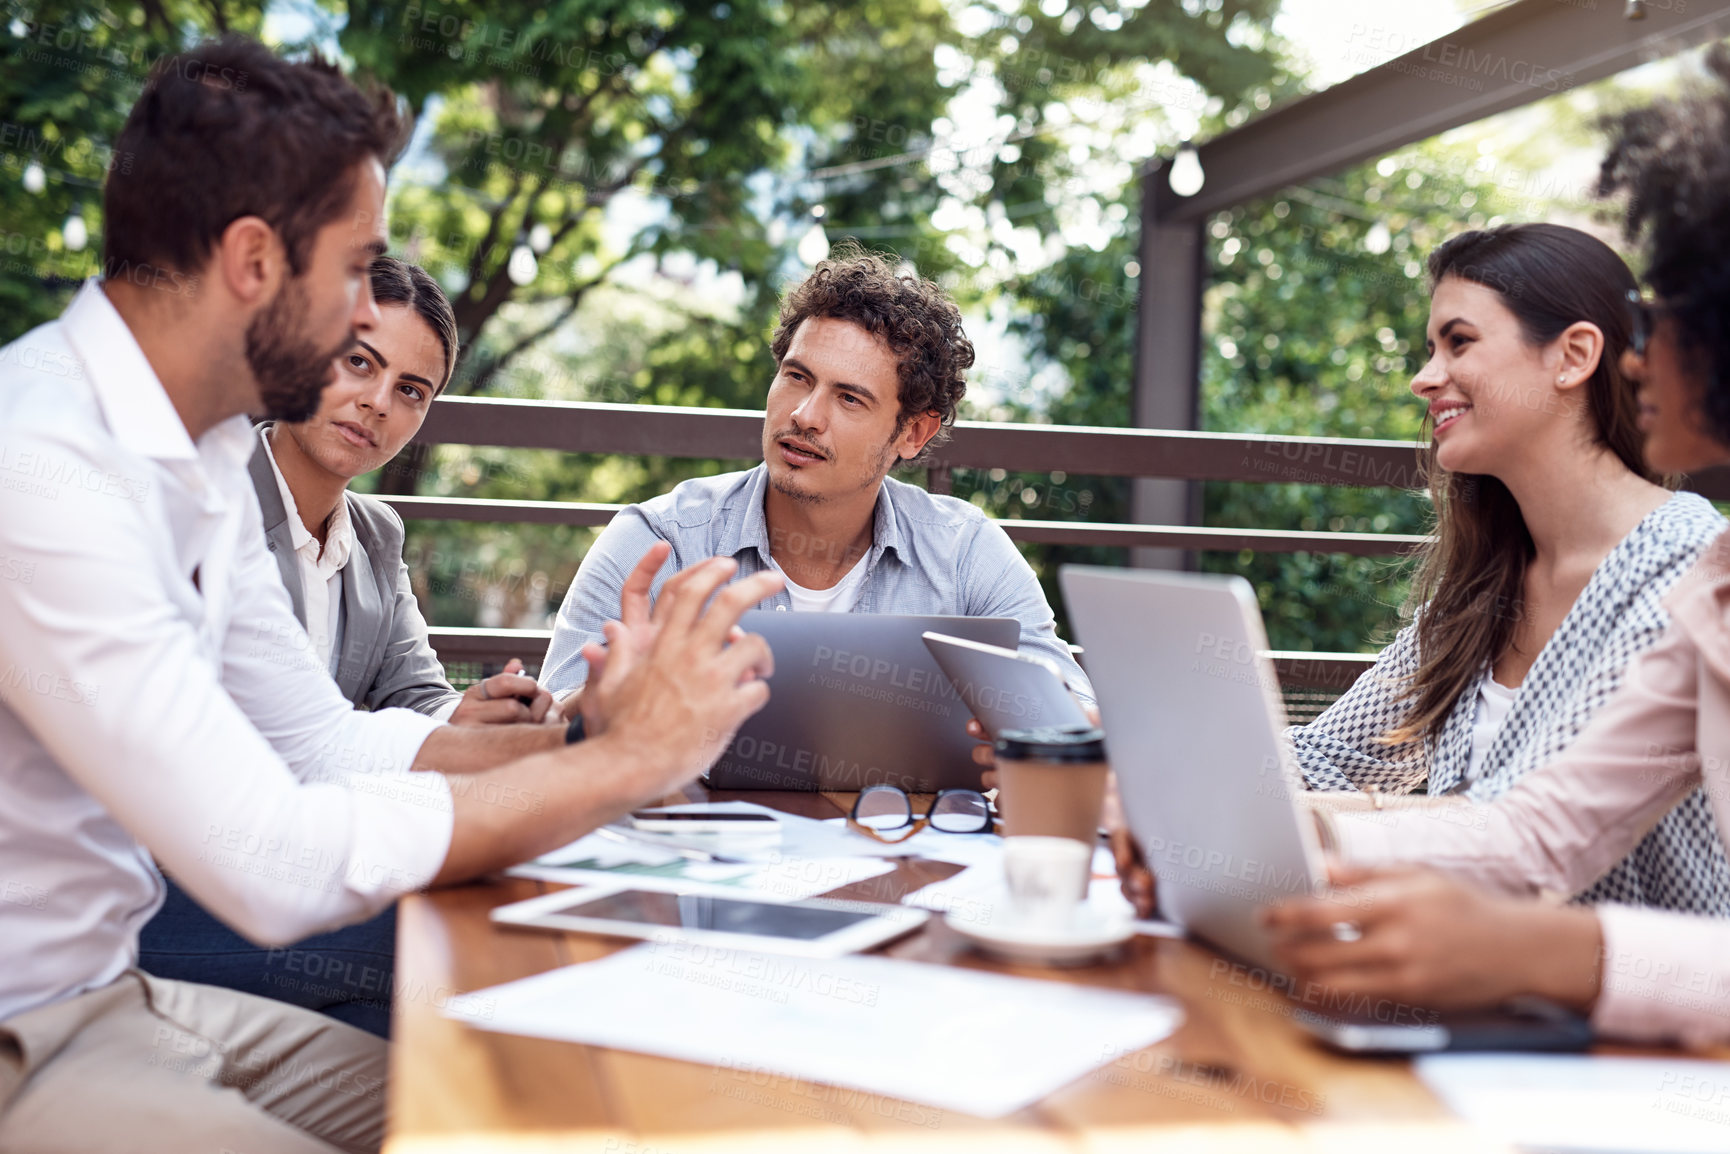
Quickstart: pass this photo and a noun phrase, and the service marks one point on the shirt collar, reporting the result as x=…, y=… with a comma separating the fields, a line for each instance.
x=752, y=531
x=338, y=539
x=131, y=396
x=231, y=440
x=338, y=531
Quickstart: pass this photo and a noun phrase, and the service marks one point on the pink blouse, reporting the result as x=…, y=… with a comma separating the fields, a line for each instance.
x=1666, y=974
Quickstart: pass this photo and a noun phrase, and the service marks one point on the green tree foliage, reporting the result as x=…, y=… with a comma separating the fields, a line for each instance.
x=69, y=72
x=869, y=152
x=1070, y=84
x=663, y=160
x=547, y=119
x=548, y=114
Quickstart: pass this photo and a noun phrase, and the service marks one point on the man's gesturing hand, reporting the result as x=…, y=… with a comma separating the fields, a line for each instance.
x=628, y=641
x=675, y=696
x=678, y=680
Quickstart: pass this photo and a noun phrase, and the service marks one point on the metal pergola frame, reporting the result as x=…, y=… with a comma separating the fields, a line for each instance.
x=1514, y=56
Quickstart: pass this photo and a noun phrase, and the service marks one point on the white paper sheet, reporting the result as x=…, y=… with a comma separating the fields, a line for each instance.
x=801, y=836
x=595, y=860
x=1576, y=1102
x=946, y=1037
x=809, y=859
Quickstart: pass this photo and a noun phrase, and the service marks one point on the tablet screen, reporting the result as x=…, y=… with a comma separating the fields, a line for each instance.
x=725, y=915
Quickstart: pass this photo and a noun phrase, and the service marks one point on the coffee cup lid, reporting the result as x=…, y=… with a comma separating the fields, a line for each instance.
x=1052, y=743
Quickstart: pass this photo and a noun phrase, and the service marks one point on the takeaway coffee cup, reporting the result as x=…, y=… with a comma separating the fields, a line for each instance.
x=1051, y=782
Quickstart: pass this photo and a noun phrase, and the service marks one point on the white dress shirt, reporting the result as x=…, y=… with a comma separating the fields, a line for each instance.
x=320, y=567
x=156, y=697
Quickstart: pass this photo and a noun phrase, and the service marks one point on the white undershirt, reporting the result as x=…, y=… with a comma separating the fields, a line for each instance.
x=838, y=598
x=1494, y=701
x=320, y=570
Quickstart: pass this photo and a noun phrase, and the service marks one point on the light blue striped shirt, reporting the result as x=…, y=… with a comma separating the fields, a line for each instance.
x=929, y=554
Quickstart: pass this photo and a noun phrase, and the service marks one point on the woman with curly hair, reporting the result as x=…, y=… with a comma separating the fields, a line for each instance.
x=1436, y=938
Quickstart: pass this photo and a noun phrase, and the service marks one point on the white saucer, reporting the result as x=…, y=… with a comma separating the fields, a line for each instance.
x=1091, y=935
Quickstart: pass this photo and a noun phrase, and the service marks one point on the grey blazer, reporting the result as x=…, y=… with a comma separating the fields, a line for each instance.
x=386, y=661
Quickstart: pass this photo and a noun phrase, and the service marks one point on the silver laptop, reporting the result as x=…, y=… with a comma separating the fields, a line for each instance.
x=1193, y=718
x=857, y=700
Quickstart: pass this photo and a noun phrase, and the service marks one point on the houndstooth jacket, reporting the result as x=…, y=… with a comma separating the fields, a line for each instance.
x=1681, y=864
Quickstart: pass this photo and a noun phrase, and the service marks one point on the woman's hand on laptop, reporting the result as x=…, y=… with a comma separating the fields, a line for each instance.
x=1417, y=935
x=1139, y=886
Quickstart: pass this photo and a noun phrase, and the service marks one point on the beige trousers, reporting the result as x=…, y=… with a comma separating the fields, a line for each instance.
x=146, y=1065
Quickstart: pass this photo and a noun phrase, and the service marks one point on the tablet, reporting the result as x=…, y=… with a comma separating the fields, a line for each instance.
x=811, y=929
x=1005, y=689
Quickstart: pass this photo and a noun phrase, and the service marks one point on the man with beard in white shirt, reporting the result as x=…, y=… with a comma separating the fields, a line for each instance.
x=145, y=713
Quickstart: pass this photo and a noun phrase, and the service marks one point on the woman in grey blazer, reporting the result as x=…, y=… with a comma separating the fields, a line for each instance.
x=340, y=555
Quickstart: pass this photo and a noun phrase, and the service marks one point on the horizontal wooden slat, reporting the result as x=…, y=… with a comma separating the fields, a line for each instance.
x=1038, y=532
x=1210, y=537
x=479, y=509
x=1309, y=670
x=736, y=434
x=592, y=427
x=455, y=643
x=1082, y=450
x=1335, y=671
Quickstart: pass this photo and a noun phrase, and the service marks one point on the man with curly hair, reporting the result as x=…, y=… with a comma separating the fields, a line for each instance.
x=870, y=366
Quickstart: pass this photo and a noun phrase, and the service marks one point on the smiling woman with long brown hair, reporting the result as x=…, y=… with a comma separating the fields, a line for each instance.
x=1554, y=545
x=1438, y=941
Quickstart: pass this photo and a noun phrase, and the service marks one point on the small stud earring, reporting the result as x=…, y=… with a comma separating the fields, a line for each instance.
x=1562, y=380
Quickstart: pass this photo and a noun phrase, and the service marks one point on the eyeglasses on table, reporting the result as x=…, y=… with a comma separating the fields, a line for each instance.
x=887, y=809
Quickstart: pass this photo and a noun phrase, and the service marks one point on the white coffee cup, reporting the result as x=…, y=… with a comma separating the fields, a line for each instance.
x=1047, y=877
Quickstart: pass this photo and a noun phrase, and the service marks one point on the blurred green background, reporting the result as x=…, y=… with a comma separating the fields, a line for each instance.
x=615, y=193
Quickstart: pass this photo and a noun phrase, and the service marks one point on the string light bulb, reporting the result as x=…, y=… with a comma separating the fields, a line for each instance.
x=1186, y=176
x=75, y=232
x=522, y=268
x=814, y=245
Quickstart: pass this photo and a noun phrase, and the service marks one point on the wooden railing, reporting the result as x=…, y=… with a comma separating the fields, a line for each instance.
x=1323, y=671
x=736, y=434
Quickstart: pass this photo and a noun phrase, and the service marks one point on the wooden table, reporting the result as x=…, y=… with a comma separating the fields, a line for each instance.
x=1236, y=1076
